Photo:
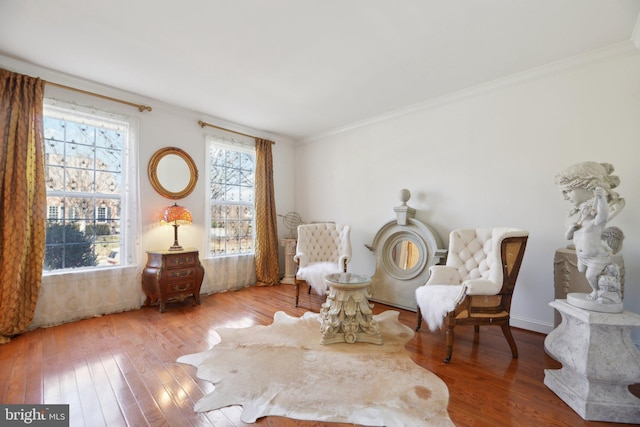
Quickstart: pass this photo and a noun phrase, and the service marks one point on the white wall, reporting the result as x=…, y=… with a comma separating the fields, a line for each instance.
x=488, y=157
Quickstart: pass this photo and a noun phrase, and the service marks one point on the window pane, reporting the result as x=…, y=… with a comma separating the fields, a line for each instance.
x=110, y=138
x=217, y=155
x=79, y=208
x=233, y=159
x=108, y=183
x=79, y=156
x=247, y=245
x=232, y=193
x=217, y=173
x=246, y=194
x=55, y=152
x=54, y=178
x=233, y=245
x=53, y=128
x=217, y=191
x=79, y=133
x=79, y=180
x=108, y=160
x=246, y=177
x=247, y=162
x=217, y=246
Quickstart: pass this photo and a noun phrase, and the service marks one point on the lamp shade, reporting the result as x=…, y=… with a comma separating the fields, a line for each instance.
x=176, y=215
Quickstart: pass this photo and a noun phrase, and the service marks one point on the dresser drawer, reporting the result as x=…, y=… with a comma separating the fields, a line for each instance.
x=179, y=288
x=180, y=274
x=180, y=260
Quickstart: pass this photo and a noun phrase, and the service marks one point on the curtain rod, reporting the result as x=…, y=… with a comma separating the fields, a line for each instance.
x=203, y=124
x=140, y=107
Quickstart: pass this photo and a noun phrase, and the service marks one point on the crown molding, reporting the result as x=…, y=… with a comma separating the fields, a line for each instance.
x=619, y=49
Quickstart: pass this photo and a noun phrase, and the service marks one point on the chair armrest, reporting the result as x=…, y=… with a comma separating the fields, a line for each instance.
x=481, y=287
x=301, y=259
x=443, y=275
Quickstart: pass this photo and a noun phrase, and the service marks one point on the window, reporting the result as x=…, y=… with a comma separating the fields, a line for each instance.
x=54, y=211
x=102, y=214
x=84, y=156
x=231, y=198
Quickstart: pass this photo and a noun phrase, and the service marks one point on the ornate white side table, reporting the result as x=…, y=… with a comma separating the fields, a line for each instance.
x=346, y=315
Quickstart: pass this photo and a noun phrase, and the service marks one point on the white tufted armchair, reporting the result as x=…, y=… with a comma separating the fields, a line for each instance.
x=321, y=249
x=476, y=284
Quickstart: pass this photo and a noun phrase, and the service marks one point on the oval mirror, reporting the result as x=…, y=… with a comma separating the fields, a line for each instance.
x=172, y=172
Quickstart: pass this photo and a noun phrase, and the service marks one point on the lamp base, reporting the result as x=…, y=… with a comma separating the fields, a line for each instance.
x=176, y=246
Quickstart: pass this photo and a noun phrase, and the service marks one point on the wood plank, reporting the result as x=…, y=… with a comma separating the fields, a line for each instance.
x=121, y=369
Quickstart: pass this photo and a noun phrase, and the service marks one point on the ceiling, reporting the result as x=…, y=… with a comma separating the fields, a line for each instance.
x=304, y=68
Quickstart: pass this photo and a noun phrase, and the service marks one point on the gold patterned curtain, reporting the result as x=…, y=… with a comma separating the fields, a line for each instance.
x=23, y=198
x=267, y=267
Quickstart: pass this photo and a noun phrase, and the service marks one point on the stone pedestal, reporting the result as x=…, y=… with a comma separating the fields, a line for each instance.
x=289, y=246
x=599, y=362
x=567, y=279
x=346, y=315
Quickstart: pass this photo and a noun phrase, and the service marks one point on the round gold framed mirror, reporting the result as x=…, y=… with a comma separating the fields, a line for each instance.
x=172, y=172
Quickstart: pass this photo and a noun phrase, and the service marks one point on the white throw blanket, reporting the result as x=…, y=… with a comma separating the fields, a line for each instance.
x=314, y=275
x=436, y=301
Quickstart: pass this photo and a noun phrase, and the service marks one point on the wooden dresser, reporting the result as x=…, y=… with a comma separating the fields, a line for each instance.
x=172, y=275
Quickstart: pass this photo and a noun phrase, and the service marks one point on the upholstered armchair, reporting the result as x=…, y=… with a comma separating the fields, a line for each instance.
x=321, y=249
x=476, y=284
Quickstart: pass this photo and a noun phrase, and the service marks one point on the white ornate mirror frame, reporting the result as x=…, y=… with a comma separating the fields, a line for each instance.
x=405, y=248
x=172, y=172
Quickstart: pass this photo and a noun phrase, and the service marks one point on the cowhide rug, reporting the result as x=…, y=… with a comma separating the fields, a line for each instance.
x=283, y=370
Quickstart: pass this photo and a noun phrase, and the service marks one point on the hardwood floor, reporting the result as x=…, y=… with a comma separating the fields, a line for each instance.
x=121, y=369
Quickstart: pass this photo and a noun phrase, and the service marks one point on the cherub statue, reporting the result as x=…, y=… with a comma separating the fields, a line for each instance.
x=589, y=187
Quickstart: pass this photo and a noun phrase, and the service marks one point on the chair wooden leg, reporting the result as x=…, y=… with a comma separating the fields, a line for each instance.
x=297, y=292
x=476, y=329
x=419, y=319
x=506, y=330
x=449, y=335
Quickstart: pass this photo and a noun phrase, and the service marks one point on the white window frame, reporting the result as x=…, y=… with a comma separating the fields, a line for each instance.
x=129, y=205
x=234, y=145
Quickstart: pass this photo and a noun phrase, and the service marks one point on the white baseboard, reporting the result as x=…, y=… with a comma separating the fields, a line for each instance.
x=531, y=325
x=543, y=328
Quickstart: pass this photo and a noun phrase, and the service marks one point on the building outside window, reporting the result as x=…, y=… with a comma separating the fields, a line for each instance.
x=231, y=182
x=84, y=156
